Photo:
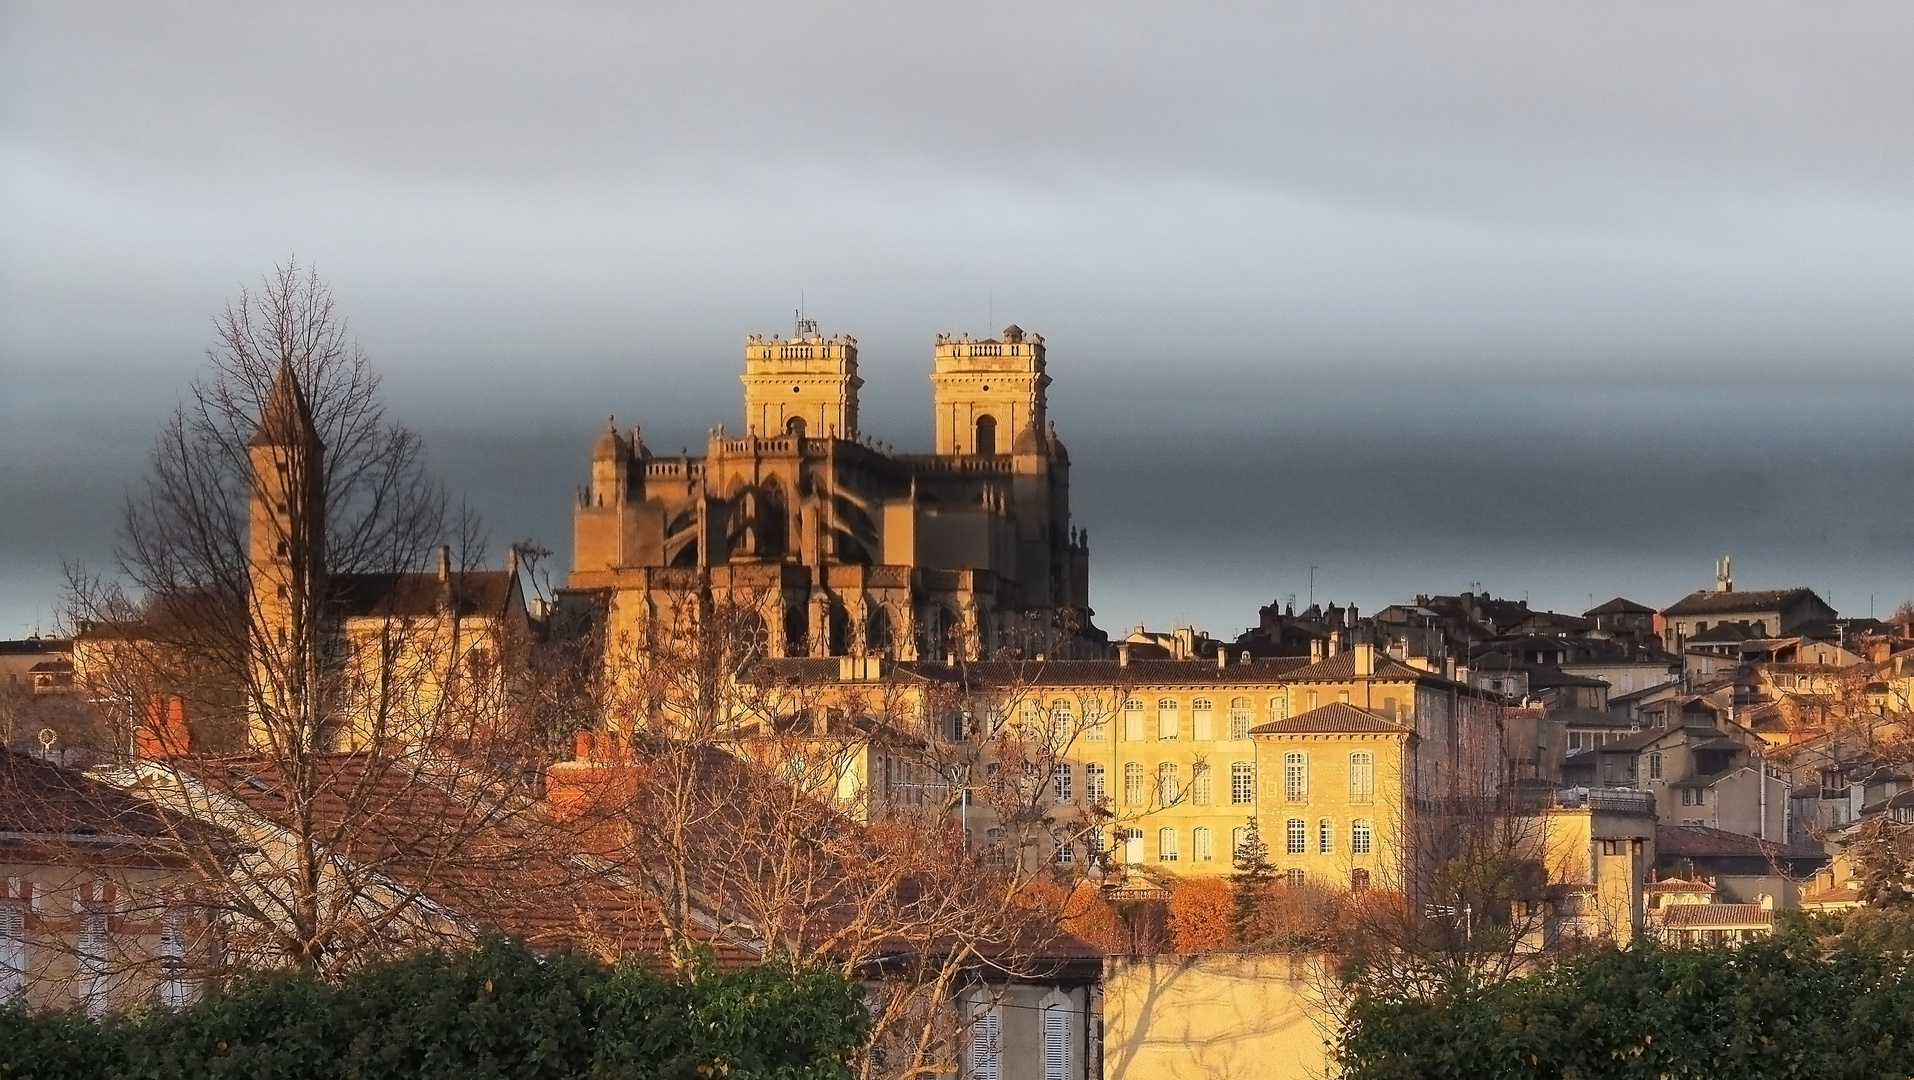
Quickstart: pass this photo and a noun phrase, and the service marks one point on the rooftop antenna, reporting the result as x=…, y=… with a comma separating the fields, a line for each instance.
x=804, y=325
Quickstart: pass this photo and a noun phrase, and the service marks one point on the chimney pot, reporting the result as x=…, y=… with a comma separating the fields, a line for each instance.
x=1123, y=654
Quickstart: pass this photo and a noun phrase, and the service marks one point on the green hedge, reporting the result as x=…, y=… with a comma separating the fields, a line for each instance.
x=496, y=1011
x=1781, y=1007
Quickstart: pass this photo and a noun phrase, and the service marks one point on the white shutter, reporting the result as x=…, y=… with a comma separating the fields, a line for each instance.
x=986, y=1046
x=1056, y=1043
x=13, y=949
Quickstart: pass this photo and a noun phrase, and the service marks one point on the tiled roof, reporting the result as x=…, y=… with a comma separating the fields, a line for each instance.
x=478, y=592
x=1716, y=916
x=43, y=803
x=1046, y=673
x=1700, y=842
x=1599, y=718
x=1334, y=717
x=1342, y=668
x=1710, y=602
x=1619, y=606
x=1675, y=884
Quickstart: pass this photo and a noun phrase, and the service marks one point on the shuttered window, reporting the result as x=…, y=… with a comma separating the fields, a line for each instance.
x=1056, y=1043
x=13, y=949
x=986, y=1046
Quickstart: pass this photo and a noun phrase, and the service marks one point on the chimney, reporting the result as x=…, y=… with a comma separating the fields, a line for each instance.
x=1725, y=574
x=582, y=741
x=1335, y=642
x=1365, y=659
x=445, y=562
x=1123, y=654
x=1315, y=650
x=164, y=734
x=1222, y=658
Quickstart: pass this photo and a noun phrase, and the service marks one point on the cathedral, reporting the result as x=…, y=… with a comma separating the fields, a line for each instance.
x=834, y=544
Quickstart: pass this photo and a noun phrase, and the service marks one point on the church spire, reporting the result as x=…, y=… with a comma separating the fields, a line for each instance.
x=286, y=419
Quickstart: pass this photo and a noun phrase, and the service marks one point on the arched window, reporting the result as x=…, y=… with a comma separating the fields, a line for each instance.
x=1063, y=724
x=840, y=630
x=1200, y=787
x=1133, y=846
x=794, y=427
x=986, y=1046
x=1237, y=838
x=1239, y=724
x=1168, y=721
x=1295, y=777
x=1133, y=783
x=1296, y=836
x=1056, y=1042
x=1202, y=728
x=1060, y=781
x=1169, y=787
x=1093, y=782
x=1358, y=880
x=1202, y=847
x=877, y=631
x=1133, y=720
x=1361, y=837
x=797, y=631
x=1325, y=837
x=1166, y=845
x=1362, y=777
x=1242, y=783
x=996, y=850
x=986, y=435
x=1279, y=708
x=752, y=632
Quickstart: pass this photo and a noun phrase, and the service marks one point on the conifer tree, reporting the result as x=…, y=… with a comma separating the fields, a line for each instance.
x=1250, y=883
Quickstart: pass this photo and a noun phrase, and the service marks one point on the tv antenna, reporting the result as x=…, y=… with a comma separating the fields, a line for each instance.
x=804, y=325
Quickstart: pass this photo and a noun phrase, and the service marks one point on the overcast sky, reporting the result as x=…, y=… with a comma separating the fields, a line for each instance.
x=1562, y=299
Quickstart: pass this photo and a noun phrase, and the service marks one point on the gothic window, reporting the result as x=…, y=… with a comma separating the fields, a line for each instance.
x=877, y=631
x=986, y=435
x=840, y=630
x=797, y=636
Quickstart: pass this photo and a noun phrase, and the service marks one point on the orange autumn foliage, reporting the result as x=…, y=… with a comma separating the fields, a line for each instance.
x=1200, y=915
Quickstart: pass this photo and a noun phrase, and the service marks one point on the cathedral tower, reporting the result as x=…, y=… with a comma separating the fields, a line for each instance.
x=805, y=384
x=285, y=545
x=988, y=392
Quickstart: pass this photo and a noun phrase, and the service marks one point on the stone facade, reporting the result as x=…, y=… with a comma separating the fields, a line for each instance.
x=837, y=544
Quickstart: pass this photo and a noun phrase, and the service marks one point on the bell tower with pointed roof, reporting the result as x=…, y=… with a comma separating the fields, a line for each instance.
x=286, y=526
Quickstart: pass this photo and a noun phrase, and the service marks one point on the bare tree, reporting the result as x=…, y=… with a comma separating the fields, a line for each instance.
x=301, y=654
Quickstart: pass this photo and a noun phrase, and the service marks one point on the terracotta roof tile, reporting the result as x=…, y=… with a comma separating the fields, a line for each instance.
x=1334, y=717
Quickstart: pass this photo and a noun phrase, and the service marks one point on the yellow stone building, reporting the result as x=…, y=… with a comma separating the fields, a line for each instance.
x=836, y=544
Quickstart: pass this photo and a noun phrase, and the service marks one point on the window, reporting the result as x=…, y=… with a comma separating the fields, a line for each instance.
x=1362, y=777
x=1060, y=782
x=1200, y=783
x=986, y=435
x=1360, y=837
x=174, y=992
x=1169, y=787
x=1574, y=741
x=1167, y=720
x=1093, y=782
x=1133, y=720
x=1029, y=715
x=1325, y=836
x=1343, y=697
x=1242, y=783
x=90, y=990
x=1166, y=845
x=1063, y=723
x=1295, y=878
x=1298, y=837
x=1201, y=727
x=1358, y=880
x=1133, y=783
x=1279, y=708
x=1239, y=724
x=1694, y=796
x=1654, y=765
x=13, y=949
x=1295, y=777
x=1066, y=852
x=1133, y=846
x=1202, y=847
x=1237, y=838
x=986, y=1046
x=1056, y=1043
x=1312, y=699
x=995, y=839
